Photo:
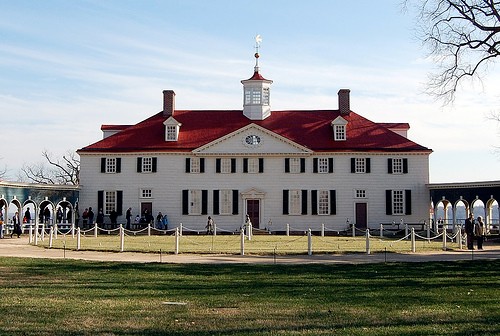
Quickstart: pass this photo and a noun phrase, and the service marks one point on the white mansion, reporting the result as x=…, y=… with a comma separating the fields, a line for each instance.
x=304, y=168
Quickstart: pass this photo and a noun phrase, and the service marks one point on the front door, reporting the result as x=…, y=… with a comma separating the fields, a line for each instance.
x=361, y=216
x=253, y=211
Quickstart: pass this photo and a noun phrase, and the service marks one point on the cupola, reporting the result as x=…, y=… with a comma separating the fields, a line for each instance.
x=257, y=91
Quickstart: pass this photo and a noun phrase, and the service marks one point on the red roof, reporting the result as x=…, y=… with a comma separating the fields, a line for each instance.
x=311, y=129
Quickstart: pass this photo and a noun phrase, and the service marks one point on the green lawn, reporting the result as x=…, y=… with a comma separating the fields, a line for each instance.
x=68, y=297
x=259, y=244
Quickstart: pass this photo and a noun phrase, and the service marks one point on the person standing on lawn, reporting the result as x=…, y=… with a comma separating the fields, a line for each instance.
x=479, y=232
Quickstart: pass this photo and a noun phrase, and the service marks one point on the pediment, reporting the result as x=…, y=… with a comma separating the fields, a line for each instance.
x=252, y=139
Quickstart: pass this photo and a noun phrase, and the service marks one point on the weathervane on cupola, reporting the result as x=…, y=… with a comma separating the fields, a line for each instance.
x=257, y=91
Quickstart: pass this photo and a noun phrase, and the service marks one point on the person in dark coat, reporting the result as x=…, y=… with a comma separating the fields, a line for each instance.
x=469, y=231
x=17, y=226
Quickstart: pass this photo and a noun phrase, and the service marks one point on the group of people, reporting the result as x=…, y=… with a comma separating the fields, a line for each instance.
x=475, y=229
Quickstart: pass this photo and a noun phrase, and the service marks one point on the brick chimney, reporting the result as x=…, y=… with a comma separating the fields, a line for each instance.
x=344, y=102
x=168, y=103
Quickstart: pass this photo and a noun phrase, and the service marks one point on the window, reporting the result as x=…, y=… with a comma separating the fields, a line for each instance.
x=360, y=193
x=194, y=202
x=323, y=202
x=225, y=165
x=360, y=165
x=146, y=164
x=195, y=165
x=109, y=202
x=226, y=197
x=110, y=165
x=295, y=165
x=265, y=96
x=398, y=202
x=339, y=132
x=256, y=97
x=171, y=133
x=323, y=165
x=146, y=193
x=397, y=166
x=225, y=202
x=253, y=165
x=295, y=202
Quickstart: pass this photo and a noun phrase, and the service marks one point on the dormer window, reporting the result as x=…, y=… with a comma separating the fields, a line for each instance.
x=339, y=126
x=172, y=128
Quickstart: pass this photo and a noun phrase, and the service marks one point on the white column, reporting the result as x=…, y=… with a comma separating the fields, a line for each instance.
x=96, y=230
x=381, y=230
x=322, y=229
x=413, y=246
x=177, y=240
x=249, y=229
x=309, y=242
x=78, y=239
x=122, y=238
x=287, y=229
x=444, y=237
x=242, y=242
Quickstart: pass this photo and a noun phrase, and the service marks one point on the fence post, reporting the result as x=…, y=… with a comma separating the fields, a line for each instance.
x=43, y=232
x=406, y=231
x=122, y=238
x=381, y=230
x=429, y=230
x=54, y=230
x=287, y=229
x=444, y=237
x=36, y=234
x=51, y=237
x=353, y=229
x=322, y=229
x=96, y=230
x=309, y=242
x=459, y=234
x=368, y=241
x=215, y=229
x=180, y=229
x=31, y=234
x=242, y=242
x=413, y=246
x=78, y=239
x=73, y=230
x=149, y=229
x=249, y=228
x=177, y=240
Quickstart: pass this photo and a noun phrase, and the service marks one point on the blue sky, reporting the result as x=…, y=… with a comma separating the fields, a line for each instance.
x=67, y=67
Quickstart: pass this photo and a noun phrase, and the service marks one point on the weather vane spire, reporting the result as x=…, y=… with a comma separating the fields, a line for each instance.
x=258, y=40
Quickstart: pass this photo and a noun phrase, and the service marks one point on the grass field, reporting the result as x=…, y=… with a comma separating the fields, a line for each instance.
x=259, y=244
x=68, y=297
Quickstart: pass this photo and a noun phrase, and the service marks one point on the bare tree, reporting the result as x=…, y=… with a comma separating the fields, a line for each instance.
x=462, y=36
x=58, y=171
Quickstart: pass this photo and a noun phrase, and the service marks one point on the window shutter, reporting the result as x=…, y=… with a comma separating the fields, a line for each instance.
x=154, y=168
x=118, y=165
x=333, y=202
x=353, y=165
x=185, y=202
x=285, y=202
x=302, y=165
x=315, y=165
x=217, y=165
x=287, y=165
x=233, y=166
x=236, y=198
x=216, y=202
x=388, y=202
x=204, y=202
x=245, y=165
x=314, y=202
x=304, y=202
x=202, y=165
x=103, y=165
x=368, y=166
x=408, y=202
x=100, y=200
x=139, y=165
x=119, y=202
x=389, y=166
x=188, y=165
x=330, y=165
x=405, y=166
x=261, y=165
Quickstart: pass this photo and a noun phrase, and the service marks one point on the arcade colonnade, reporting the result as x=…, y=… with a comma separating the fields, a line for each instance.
x=451, y=203
x=45, y=203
